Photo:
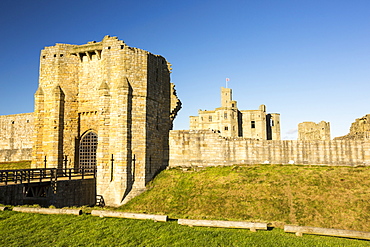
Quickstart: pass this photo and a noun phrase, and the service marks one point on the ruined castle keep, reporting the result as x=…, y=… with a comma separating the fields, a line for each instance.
x=16, y=133
x=229, y=121
x=103, y=105
x=314, y=131
x=360, y=129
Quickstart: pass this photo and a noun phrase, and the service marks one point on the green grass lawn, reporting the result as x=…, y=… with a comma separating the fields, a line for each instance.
x=22, y=229
x=321, y=196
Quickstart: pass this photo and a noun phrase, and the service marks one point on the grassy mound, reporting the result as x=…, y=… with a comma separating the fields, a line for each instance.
x=15, y=165
x=322, y=196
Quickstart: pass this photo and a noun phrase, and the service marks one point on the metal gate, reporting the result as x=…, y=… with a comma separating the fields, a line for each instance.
x=88, y=146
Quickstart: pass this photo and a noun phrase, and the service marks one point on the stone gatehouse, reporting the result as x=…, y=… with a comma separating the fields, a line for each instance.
x=101, y=105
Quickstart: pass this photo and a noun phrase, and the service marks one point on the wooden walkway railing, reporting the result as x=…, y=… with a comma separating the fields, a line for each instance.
x=43, y=174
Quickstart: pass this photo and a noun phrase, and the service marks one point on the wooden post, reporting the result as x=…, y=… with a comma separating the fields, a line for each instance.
x=3, y=208
x=15, y=178
x=65, y=163
x=106, y=213
x=48, y=210
x=29, y=176
x=253, y=226
x=299, y=230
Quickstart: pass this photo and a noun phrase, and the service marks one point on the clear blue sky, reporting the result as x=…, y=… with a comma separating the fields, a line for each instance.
x=308, y=60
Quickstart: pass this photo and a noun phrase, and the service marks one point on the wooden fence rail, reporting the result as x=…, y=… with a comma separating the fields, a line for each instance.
x=299, y=230
x=253, y=226
x=42, y=174
x=106, y=213
x=48, y=210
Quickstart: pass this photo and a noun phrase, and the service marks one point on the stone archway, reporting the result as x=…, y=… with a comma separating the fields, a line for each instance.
x=87, y=151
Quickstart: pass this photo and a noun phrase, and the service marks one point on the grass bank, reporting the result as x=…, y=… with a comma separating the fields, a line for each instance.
x=22, y=229
x=15, y=165
x=321, y=196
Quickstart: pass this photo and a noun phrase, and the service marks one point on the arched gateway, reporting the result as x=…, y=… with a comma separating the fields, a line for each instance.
x=87, y=152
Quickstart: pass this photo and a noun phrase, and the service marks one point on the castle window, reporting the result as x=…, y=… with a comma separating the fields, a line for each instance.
x=61, y=55
x=210, y=118
x=226, y=128
x=233, y=105
x=271, y=122
x=253, y=124
x=55, y=55
x=43, y=57
x=225, y=115
x=122, y=46
x=108, y=47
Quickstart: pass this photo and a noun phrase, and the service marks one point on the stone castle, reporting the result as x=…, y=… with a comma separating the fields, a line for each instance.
x=229, y=121
x=110, y=107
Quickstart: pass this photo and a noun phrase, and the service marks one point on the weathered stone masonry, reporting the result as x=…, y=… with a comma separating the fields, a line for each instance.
x=16, y=133
x=208, y=148
x=118, y=100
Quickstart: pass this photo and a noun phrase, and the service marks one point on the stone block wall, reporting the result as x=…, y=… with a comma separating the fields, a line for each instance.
x=207, y=148
x=16, y=132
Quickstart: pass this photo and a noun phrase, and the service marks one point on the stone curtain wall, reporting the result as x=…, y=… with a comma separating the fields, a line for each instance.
x=16, y=133
x=207, y=148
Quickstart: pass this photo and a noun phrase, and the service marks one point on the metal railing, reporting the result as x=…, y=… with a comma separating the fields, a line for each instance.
x=44, y=174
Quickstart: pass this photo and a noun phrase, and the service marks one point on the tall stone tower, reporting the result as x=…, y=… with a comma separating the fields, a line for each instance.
x=108, y=106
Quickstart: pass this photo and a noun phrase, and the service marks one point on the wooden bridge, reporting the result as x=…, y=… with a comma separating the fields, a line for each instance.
x=8, y=177
x=48, y=186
